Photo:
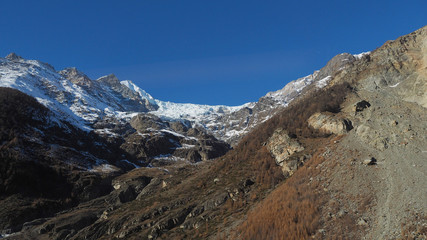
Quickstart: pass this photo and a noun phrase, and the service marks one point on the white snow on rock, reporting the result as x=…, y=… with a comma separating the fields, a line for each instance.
x=323, y=82
x=191, y=111
x=292, y=89
x=395, y=85
x=142, y=93
x=360, y=55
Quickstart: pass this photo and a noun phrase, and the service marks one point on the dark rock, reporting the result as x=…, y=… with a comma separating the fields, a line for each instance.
x=179, y=126
x=362, y=105
x=127, y=194
x=142, y=122
x=193, y=132
x=194, y=156
x=216, y=201
x=248, y=182
x=69, y=223
x=33, y=223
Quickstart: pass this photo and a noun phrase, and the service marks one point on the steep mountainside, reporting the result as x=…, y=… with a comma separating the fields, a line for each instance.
x=339, y=154
x=369, y=182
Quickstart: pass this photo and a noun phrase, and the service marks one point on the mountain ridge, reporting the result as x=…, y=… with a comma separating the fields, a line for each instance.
x=85, y=101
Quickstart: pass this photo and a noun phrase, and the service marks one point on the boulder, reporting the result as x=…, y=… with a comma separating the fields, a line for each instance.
x=330, y=123
x=362, y=105
x=370, y=161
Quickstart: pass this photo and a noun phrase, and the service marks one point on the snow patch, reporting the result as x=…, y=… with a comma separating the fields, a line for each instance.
x=323, y=82
x=395, y=85
x=360, y=55
x=292, y=89
x=142, y=93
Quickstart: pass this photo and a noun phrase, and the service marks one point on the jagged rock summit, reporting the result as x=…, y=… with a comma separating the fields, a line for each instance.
x=13, y=57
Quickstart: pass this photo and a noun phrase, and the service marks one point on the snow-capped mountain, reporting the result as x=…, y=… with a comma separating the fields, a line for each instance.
x=74, y=97
x=188, y=111
x=292, y=89
x=70, y=93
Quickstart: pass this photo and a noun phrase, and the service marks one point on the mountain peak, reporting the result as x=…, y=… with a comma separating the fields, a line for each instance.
x=110, y=79
x=76, y=76
x=72, y=71
x=13, y=57
x=335, y=64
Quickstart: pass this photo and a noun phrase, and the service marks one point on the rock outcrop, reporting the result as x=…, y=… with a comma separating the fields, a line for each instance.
x=13, y=57
x=330, y=123
x=131, y=100
x=282, y=147
x=337, y=63
x=77, y=77
x=156, y=141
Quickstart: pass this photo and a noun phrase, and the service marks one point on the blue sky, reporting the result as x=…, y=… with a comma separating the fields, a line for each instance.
x=208, y=52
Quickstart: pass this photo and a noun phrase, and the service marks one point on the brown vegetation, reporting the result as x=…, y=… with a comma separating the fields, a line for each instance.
x=291, y=211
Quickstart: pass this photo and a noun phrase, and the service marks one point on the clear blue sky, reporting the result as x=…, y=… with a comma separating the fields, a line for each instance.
x=209, y=52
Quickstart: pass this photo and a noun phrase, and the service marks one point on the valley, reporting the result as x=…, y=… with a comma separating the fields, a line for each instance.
x=338, y=154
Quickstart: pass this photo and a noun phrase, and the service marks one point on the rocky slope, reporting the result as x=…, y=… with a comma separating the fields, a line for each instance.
x=393, y=80
x=370, y=179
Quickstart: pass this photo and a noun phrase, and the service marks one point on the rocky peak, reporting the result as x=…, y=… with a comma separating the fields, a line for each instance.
x=292, y=89
x=113, y=82
x=13, y=57
x=335, y=64
x=110, y=80
x=131, y=100
x=76, y=77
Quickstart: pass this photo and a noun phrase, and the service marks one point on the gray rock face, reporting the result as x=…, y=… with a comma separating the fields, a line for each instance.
x=335, y=64
x=282, y=147
x=292, y=89
x=143, y=122
x=130, y=99
x=13, y=57
x=159, y=141
x=77, y=77
x=329, y=123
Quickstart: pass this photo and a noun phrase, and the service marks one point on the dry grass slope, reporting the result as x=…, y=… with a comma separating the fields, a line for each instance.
x=291, y=211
